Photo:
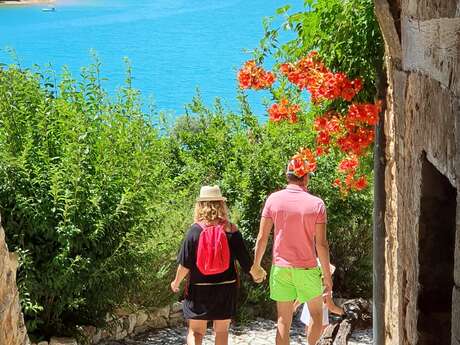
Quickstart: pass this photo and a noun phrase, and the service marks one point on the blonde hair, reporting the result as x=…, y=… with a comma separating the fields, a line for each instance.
x=210, y=211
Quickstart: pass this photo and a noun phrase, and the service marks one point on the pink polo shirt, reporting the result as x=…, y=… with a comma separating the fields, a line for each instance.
x=294, y=212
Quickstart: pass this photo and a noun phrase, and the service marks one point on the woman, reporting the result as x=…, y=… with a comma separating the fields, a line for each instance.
x=210, y=297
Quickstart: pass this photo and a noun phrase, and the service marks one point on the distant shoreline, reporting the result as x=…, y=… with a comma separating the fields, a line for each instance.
x=26, y=2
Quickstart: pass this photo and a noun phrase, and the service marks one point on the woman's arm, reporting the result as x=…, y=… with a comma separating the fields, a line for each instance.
x=241, y=252
x=181, y=273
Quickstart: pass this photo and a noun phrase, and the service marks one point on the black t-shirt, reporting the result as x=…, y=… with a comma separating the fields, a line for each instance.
x=238, y=251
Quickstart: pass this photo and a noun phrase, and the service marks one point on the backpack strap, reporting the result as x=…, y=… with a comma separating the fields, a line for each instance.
x=233, y=227
x=230, y=228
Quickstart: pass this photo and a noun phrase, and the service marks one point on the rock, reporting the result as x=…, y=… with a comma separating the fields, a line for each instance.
x=43, y=343
x=176, y=321
x=176, y=307
x=97, y=336
x=141, y=318
x=62, y=341
x=343, y=333
x=107, y=333
x=159, y=322
x=176, y=315
x=141, y=329
x=132, y=321
x=121, y=312
x=12, y=329
x=88, y=331
x=121, y=335
x=118, y=331
x=329, y=335
x=159, y=312
x=109, y=317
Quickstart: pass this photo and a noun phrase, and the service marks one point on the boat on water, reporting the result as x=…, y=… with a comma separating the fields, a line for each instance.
x=49, y=9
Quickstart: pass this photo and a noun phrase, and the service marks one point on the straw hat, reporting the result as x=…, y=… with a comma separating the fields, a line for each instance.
x=210, y=193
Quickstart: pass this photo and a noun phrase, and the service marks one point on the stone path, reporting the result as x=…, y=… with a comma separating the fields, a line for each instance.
x=260, y=332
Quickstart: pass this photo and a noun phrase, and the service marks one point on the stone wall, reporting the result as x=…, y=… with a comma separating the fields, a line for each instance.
x=422, y=123
x=125, y=324
x=12, y=328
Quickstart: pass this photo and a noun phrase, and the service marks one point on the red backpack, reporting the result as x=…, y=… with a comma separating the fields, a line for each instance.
x=213, y=254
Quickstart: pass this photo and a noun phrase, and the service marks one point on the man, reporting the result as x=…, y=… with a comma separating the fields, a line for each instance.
x=299, y=219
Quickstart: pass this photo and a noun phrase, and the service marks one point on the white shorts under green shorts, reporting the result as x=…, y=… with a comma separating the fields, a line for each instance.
x=305, y=316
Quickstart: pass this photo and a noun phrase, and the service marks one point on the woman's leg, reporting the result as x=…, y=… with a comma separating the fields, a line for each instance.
x=221, y=331
x=196, y=331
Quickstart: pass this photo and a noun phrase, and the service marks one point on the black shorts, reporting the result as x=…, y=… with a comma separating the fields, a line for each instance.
x=210, y=302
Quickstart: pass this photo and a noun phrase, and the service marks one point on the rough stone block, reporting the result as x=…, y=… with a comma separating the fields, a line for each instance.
x=431, y=48
x=88, y=331
x=121, y=312
x=159, y=312
x=176, y=307
x=12, y=328
x=132, y=320
x=457, y=243
x=159, y=322
x=97, y=336
x=429, y=9
x=121, y=335
x=141, y=318
x=176, y=321
x=176, y=315
x=456, y=315
x=141, y=329
x=109, y=317
x=62, y=341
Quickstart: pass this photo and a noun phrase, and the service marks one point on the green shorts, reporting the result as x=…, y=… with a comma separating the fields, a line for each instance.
x=290, y=284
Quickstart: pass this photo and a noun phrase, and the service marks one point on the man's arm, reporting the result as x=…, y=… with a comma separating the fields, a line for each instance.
x=266, y=225
x=322, y=248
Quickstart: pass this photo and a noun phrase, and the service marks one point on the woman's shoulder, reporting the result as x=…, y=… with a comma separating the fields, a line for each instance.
x=194, y=230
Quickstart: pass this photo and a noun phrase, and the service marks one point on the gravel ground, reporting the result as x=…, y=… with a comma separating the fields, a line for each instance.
x=260, y=332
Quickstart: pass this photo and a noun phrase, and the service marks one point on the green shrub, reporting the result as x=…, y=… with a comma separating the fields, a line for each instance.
x=77, y=175
x=96, y=200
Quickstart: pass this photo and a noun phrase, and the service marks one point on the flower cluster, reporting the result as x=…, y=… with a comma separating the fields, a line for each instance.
x=302, y=163
x=251, y=76
x=351, y=131
x=328, y=127
x=349, y=167
x=351, y=183
x=359, y=123
x=284, y=111
x=311, y=74
x=367, y=114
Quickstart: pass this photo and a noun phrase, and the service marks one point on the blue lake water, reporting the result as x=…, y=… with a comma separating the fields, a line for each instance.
x=174, y=46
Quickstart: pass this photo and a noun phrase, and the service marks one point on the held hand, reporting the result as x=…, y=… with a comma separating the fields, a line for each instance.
x=258, y=273
x=175, y=286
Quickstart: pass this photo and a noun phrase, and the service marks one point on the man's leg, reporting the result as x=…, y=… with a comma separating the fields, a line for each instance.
x=221, y=331
x=284, y=322
x=196, y=331
x=315, y=307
